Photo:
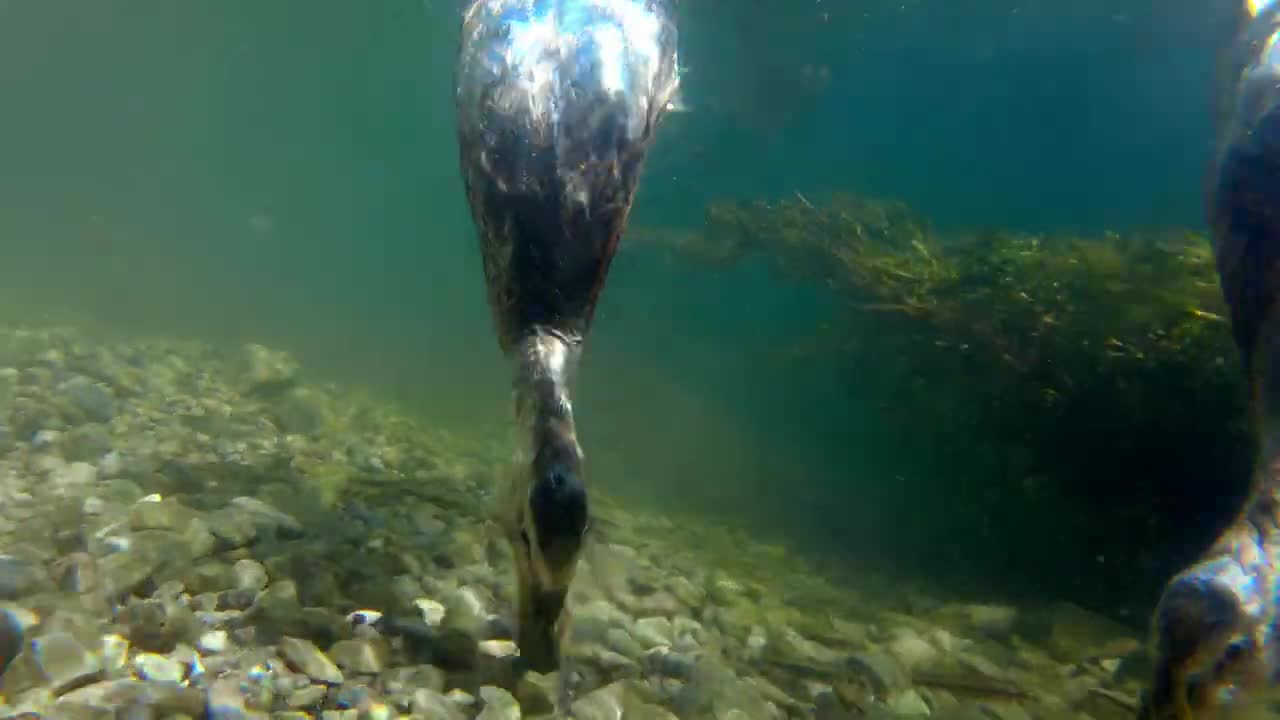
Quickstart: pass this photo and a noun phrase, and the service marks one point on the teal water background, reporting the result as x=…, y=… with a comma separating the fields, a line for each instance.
x=286, y=171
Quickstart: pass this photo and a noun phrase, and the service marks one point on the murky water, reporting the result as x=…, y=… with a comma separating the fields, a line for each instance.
x=249, y=382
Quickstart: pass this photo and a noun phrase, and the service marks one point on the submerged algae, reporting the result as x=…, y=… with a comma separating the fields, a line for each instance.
x=1087, y=379
x=1053, y=309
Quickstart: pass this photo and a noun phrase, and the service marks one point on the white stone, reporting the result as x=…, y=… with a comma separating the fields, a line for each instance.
x=214, y=641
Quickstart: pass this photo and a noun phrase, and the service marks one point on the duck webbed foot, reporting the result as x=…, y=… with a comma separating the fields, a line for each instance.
x=1213, y=630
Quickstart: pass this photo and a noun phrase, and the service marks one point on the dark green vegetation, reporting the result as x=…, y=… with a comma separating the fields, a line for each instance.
x=1080, y=394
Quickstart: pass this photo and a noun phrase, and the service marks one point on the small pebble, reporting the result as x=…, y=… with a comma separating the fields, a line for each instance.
x=308, y=696
x=250, y=575
x=214, y=641
x=158, y=668
x=432, y=612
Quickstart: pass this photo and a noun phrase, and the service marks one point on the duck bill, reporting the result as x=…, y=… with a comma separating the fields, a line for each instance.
x=540, y=622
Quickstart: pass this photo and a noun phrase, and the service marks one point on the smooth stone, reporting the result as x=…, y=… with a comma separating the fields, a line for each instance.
x=496, y=663
x=757, y=641
x=622, y=699
x=267, y=517
x=726, y=591
x=122, y=573
x=153, y=513
x=460, y=697
x=250, y=575
x=232, y=529
x=910, y=649
x=210, y=576
x=620, y=641
x=608, y=660
x=537, y=692
x=276, y=611
x=851, y=633
x=908, y=704
x=17, y=577
x=791, y=646
x=994, y=620
x=76, y=474
x=299, y=411
x=981, y=665
x=432, y=612
x=406, y=680
x=427, y=522
x=308, y=659
x=226, y=702
x=688, y=593
x=1075, y=633
x=879, y=669
x=1006, y=711
x=668, y=663
x=174, y=551
x=28, y=419
x=307, y=697
x=125, y=696
x=115, y=652
x=467, y=611
x=111, y=464
x=652, y=631
x=687, y=627
x=363, y=656
x=94, y=400
x=972, y=711
x=31, y=705
x=827, y=706
x=498, y=704
x=44, y=440
x=196, y=542
x=498, y=648
x=237, y=599
x=56, y=660
x=265, y=369
x=431, y=704
x=87, y=443
x=158, y=668
x=212, y=642
x=159, y=625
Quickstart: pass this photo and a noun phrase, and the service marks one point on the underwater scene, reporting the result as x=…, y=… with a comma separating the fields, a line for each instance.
x=639, y=359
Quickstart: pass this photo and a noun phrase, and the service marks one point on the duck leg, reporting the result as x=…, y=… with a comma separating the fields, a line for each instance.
x=1215, y=624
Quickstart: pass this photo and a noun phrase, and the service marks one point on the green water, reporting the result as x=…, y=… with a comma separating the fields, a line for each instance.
x=286, y=172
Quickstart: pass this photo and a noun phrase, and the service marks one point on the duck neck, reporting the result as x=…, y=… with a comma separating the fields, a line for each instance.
x=547, y=360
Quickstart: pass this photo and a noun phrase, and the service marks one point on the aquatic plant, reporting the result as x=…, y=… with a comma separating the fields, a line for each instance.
x=1058, y=368
x=1056, y=309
